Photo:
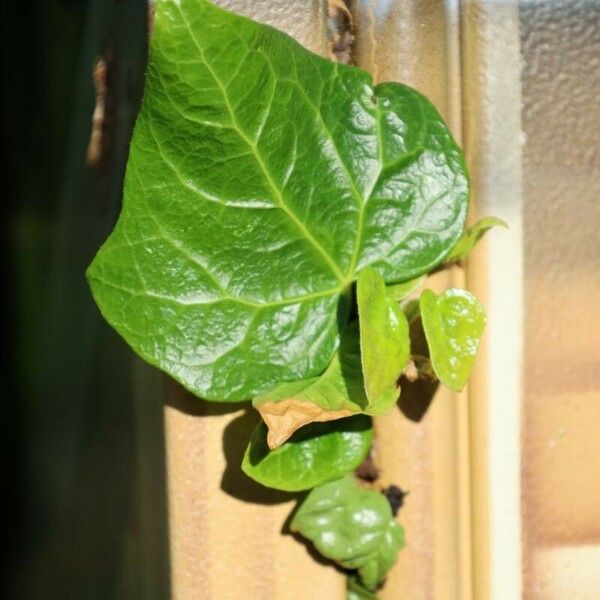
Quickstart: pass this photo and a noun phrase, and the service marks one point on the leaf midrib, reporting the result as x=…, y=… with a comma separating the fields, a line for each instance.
x=278, y=197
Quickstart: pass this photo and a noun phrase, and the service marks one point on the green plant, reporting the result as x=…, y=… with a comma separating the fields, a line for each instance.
x=278, y=212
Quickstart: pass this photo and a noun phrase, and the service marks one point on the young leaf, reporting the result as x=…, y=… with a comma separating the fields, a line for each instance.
x=351, y=526
x=453, y=324
x=261, y=179
x=315, y=454
x=339, y=392
x=384, y=340
x=468, y=240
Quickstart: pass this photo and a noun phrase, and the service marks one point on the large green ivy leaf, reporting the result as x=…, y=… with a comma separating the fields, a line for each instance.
x=453, y=324
x=339, y=392
x=384, y=339
x=468, y=240
x=315, y=454
x=351, y=526
x=261, y=179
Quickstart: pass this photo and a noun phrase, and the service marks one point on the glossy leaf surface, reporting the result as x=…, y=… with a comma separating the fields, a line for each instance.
x=453, y=322
x=315, y=454
x=260, y=179
x=339, y=392
x=384, y=339
x=468, y=240
x=352, y=526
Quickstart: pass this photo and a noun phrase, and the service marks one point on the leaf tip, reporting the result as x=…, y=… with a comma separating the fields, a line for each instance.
x=276, y=438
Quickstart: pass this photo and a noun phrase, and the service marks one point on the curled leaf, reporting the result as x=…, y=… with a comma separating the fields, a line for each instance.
x=315, y=454
x=285, y=416
x=453, y=322
x=339, y=392
x=384, y=339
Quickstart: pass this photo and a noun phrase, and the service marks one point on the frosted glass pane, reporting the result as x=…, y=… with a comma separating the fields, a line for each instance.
x=560, y=42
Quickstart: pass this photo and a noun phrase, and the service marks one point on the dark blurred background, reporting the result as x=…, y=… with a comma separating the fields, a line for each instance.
x=70, y=448
x=82, y=458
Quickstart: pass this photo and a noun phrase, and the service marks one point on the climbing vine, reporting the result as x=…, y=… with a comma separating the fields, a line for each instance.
x=280, y=215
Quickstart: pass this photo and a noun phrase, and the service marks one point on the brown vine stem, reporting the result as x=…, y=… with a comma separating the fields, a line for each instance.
x=419, y=367
x=340, y=32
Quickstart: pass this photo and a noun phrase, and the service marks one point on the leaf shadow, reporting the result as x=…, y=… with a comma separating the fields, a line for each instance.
x=234, y=481
x=350, y=364
x=236, y=436
x=182, y=400
x=416, y=396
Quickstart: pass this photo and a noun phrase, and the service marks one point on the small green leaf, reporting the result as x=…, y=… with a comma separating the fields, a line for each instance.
x=339, y=392
x=472, y=235
x=315, y=454
x=355, y=590
x=384, y=339
x=351, y=526
x=453, y=324
x=250, y=156
x=401, y=291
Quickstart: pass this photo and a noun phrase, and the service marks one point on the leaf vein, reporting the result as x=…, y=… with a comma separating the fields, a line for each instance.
x=258, y=306
x=278, y=196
